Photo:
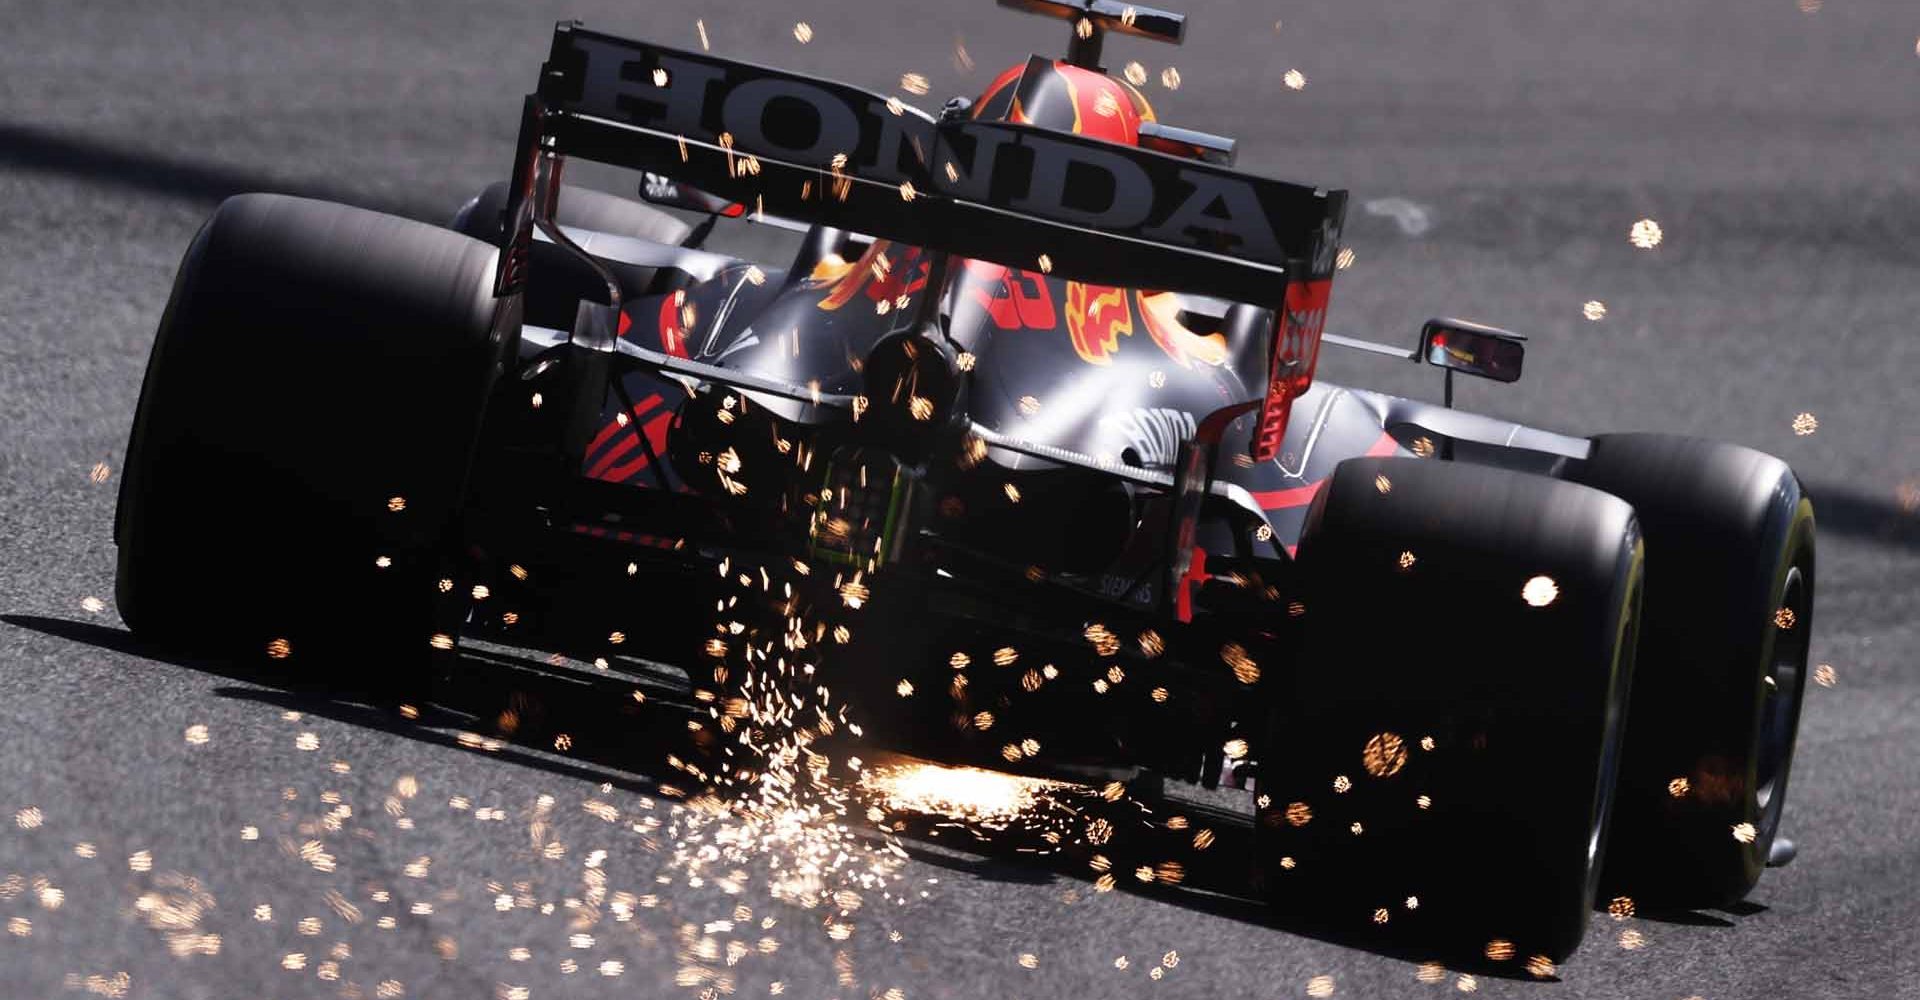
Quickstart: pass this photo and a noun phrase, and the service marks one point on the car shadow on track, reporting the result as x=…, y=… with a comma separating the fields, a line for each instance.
x=509, y=711
x=1717, y=917
x=1847, y=511
x=514, y=709
x=93, y=160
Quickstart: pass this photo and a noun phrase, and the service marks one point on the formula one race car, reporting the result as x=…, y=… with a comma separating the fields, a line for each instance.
x=1022, y=458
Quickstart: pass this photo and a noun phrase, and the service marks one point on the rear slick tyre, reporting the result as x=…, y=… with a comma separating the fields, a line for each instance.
x=303, y=434
x=1439, y=766
x=1723, y=663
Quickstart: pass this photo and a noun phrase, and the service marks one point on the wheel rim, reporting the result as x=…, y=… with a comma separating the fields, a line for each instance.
x=1779, y=710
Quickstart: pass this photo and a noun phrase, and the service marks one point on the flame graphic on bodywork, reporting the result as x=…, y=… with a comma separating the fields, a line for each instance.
x=1161, y=311
x=1097, y=317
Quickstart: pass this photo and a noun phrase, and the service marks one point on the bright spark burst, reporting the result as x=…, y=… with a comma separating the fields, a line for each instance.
x=1104, y=641
x=1594, y=310
x=985, y=798
x=1540, y=591
x=803, y=32
x=1295, y=80
x=1245, y=670
x=1825, y=676
x=1170, y=78
x=1384, y=755
x=915, y=84
x=1645, y=234
x=1744, y=832
x=1805, y=424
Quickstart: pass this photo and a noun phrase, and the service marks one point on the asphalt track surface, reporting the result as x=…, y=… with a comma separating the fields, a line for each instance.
x=1773, y=145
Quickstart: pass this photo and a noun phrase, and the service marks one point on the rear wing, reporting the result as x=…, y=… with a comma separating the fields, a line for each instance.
x=1018, y=195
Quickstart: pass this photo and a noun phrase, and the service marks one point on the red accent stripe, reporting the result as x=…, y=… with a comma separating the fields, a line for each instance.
x=614, y=426
x=1196, y=573
x=656, y=431
x=1299, y=496
x=672, y=339
x=599, y=468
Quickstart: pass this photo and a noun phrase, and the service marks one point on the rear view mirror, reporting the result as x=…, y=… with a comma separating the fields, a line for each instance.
x=1460, y=346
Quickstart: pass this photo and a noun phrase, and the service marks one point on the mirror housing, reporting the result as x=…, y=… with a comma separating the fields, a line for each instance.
x=1460, y=346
